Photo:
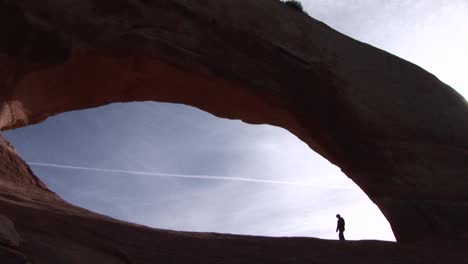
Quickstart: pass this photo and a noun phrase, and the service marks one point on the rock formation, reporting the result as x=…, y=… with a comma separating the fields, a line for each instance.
x=393, y=128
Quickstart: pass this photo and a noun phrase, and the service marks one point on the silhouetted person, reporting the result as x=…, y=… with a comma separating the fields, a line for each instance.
x=340, y=226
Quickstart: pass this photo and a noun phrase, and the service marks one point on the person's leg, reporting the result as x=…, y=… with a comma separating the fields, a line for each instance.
x=341, y=235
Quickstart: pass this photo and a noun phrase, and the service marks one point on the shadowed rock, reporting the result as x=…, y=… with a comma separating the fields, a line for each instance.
x=393, y=128
x=8, y=235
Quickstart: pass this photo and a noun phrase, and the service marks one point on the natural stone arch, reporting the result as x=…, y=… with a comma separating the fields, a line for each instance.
x=393, y=128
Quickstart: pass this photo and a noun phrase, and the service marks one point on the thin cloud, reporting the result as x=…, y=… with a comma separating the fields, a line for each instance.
x=188, y=176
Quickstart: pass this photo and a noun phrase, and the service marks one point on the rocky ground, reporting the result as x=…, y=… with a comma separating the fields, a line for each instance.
x=37, y=226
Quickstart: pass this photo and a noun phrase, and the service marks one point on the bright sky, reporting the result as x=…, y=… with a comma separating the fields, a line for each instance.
x=176, y=167
x=430, y=33
x=157, y=169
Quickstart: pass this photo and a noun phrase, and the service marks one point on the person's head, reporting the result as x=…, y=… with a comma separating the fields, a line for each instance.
x=338, y=216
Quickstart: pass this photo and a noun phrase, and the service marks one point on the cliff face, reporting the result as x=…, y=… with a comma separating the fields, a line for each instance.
x=395, y=129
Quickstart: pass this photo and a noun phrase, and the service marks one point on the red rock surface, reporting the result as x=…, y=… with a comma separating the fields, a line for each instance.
x=395, y=129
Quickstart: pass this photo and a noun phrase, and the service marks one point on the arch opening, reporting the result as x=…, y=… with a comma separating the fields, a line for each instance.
x=176, y=167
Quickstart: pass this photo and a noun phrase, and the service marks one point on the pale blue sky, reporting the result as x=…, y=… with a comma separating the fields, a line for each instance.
x=430, y=33
x=285, y=189
x=167, y=138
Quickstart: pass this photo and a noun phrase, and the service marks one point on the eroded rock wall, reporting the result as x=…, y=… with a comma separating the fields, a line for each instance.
x=392, y=127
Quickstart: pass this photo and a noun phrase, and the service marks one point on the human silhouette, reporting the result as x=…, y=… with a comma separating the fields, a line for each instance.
x=340, y=226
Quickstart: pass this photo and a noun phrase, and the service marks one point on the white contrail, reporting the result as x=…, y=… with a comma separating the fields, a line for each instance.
x=186, y=176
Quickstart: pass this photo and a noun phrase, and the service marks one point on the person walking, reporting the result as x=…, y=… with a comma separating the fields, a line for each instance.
x=340, y=226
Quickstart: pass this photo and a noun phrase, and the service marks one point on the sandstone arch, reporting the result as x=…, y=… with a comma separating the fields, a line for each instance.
x=392, y=127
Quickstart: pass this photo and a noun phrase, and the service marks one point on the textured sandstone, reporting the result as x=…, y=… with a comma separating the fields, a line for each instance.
x=393, y=128
x=8, y=234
